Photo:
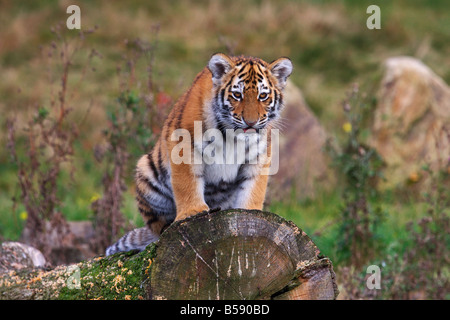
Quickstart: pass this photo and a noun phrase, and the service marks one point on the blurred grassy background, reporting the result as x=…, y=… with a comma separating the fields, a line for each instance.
x=327, y=41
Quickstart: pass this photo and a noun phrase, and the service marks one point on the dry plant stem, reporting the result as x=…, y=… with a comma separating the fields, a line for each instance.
x=51, y=135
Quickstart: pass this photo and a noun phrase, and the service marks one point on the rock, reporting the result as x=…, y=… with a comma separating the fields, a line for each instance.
x=84, y=238
x=16, y=256
x=303, y=165
x=411, y=124
x=77, y=243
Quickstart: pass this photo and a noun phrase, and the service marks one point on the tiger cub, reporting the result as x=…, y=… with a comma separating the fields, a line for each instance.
x=232, y=94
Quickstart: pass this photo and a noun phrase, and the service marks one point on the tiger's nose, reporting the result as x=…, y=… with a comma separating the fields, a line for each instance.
x=250, y=123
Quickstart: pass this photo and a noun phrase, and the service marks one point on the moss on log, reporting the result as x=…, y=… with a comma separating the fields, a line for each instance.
x=233, y=254
x=120, y=276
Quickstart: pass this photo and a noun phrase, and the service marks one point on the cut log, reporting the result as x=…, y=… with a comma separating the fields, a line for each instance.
x=233, y=254
x=239, y=254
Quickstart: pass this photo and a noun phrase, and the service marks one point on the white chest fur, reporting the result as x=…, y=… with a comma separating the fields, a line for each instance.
x=222, y=157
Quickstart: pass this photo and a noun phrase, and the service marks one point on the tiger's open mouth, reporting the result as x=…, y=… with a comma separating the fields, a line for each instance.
x=250, y=130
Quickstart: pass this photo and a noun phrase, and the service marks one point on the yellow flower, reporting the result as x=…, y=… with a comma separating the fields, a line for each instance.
x=414, y=177
x=95, y=197
x=347, y=127
x=23, y=215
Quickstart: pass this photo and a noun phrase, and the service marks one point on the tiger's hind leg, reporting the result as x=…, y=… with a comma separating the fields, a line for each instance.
x=156, y=222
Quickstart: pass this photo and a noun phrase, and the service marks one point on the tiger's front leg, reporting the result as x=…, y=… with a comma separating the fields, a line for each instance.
x=188, y=191
x=253, y=193
x=188, y=186
x=253, y=190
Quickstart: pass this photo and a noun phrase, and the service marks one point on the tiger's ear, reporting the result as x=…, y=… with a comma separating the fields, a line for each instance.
x=281, y=69
x=220, y=64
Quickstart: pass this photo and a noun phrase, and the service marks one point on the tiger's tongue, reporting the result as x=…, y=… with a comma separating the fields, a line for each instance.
x=249, y=130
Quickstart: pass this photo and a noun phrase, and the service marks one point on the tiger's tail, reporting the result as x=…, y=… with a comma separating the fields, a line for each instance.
x=136, y=239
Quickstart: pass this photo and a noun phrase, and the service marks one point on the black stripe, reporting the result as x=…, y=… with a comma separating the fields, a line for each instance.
x=222, y=95
x=229, y=82
x=155, y=189
x=182, y=107
x=215, y=201
x=152, y=220
x=161, y=167
x=153, y=167
x=169, y=124
x=141, y=201
x=156, y=209
x=242, y=72
x=268, y=80
x=259, y=68
x=272, y=108
x=223, y=186
x=180, y=117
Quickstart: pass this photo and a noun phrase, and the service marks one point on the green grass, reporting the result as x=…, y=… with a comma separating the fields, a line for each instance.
x=320, y=219
x=314, y=217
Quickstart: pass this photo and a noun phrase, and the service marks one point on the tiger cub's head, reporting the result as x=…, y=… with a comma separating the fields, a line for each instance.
x=248, y=91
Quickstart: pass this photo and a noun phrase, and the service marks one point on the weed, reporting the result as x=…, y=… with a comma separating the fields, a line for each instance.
x=129, y=135
x=422, y=271
x=359, y=167
x=45, y=152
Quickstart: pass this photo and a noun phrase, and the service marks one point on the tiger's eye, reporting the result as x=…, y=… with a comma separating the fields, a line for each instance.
x=262, y=96
x=237, y=95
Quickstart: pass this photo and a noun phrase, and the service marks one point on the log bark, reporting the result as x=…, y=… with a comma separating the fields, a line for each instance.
x=233, y=254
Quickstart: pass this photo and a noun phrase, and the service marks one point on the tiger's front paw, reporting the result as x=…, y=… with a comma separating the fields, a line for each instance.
x=190, y=212
x=211, y=210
